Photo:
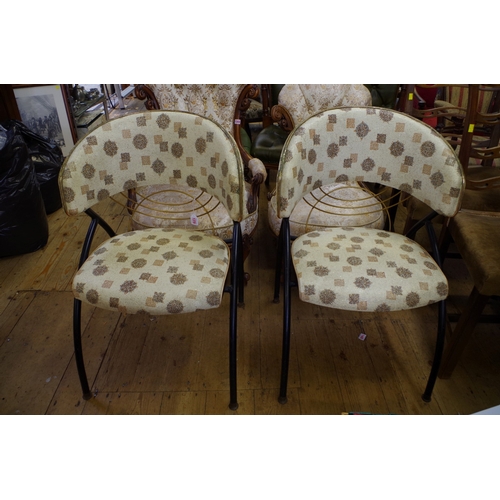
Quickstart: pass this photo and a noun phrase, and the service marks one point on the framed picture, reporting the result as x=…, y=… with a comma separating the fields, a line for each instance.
x=43, y=109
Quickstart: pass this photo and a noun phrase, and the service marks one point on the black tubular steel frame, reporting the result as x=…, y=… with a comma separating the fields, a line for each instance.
x=235, y=290
x=96, y=220
x=284, y=264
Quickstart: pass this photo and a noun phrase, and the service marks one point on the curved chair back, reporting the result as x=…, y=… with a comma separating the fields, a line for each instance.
x=152, y=148
x=224, y=103
x=370, y=145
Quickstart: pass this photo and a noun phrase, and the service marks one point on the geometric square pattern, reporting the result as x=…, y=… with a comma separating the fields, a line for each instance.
x=306, y=99
x=171, y=147
x=364, y=269
x=158, y=271
x=410, y=156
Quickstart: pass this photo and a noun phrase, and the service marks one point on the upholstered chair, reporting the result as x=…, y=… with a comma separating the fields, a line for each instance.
x=360, y=268
x=335, y=204
x=476, y=237
x=169, y=206
x=296, y=102
x=162, y=270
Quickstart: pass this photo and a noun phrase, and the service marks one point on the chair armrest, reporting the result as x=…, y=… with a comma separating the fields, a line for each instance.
x=259, y=175
x=144, y=92
x=282, y=117
x=249, y=93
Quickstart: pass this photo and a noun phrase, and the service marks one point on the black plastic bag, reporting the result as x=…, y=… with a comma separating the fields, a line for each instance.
x=24, y=226
x=47, y=158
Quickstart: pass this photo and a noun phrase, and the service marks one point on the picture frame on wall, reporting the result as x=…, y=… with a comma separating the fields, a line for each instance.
x=44, y=110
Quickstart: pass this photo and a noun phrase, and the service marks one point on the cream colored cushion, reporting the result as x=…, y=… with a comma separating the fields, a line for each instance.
x=216, y=101
x=339, y=204
x=168, y=206
x=305, y=100
x=158, y=271
x=364, y=269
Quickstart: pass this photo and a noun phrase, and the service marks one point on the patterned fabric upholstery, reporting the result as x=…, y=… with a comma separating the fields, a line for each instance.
x=217, y=102
x=373, y=145
x=344, y=204
x=365, y=268
x=161, y=271
x=212, y=100
x=150, y=148
x=136, y=272
x=305, y=100
x=168, y=206
x=338, y=206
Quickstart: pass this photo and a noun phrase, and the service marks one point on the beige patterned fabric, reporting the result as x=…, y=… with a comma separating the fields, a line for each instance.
x=338, y=204
x=348, y=207
x=188, y=208
x=374, y=145
x=216, y=101
x=363, y=269
x=305, y=100
x=366, y=269
x=149, y=148
x=157, y=271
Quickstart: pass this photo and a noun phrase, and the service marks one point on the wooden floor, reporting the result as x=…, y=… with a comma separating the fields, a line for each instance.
x=179, y=364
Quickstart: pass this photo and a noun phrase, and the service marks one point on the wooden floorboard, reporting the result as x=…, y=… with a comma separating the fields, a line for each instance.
x=179, y=365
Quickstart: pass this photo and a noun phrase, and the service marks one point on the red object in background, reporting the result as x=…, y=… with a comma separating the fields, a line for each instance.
x=428, y=95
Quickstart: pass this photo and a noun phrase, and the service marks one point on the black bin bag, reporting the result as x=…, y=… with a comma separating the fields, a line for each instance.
x=47, y=158
x=24, y=225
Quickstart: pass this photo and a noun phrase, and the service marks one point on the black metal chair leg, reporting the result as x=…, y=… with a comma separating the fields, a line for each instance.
x=285, y=355
x=438, y=353
x=241, y=270
x=77, y=339
x=235, y=285
x=279, y=263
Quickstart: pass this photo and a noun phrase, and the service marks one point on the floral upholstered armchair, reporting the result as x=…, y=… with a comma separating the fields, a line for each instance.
x=297, y=102
x=164, y=206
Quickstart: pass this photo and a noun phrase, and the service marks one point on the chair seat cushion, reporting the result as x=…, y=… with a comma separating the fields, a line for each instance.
x=173, y=206
x=158, y=271
x=477, y=237
x=363, y=269
x=328, y=206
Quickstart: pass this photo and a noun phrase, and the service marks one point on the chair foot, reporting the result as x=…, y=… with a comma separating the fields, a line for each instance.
x=233, y=406
x=276, y=300
x=282, y=400
x=87, y=396
x=426, y=398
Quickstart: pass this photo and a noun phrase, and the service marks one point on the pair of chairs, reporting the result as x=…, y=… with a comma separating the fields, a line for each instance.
x=162, y=271
x=228, y=105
